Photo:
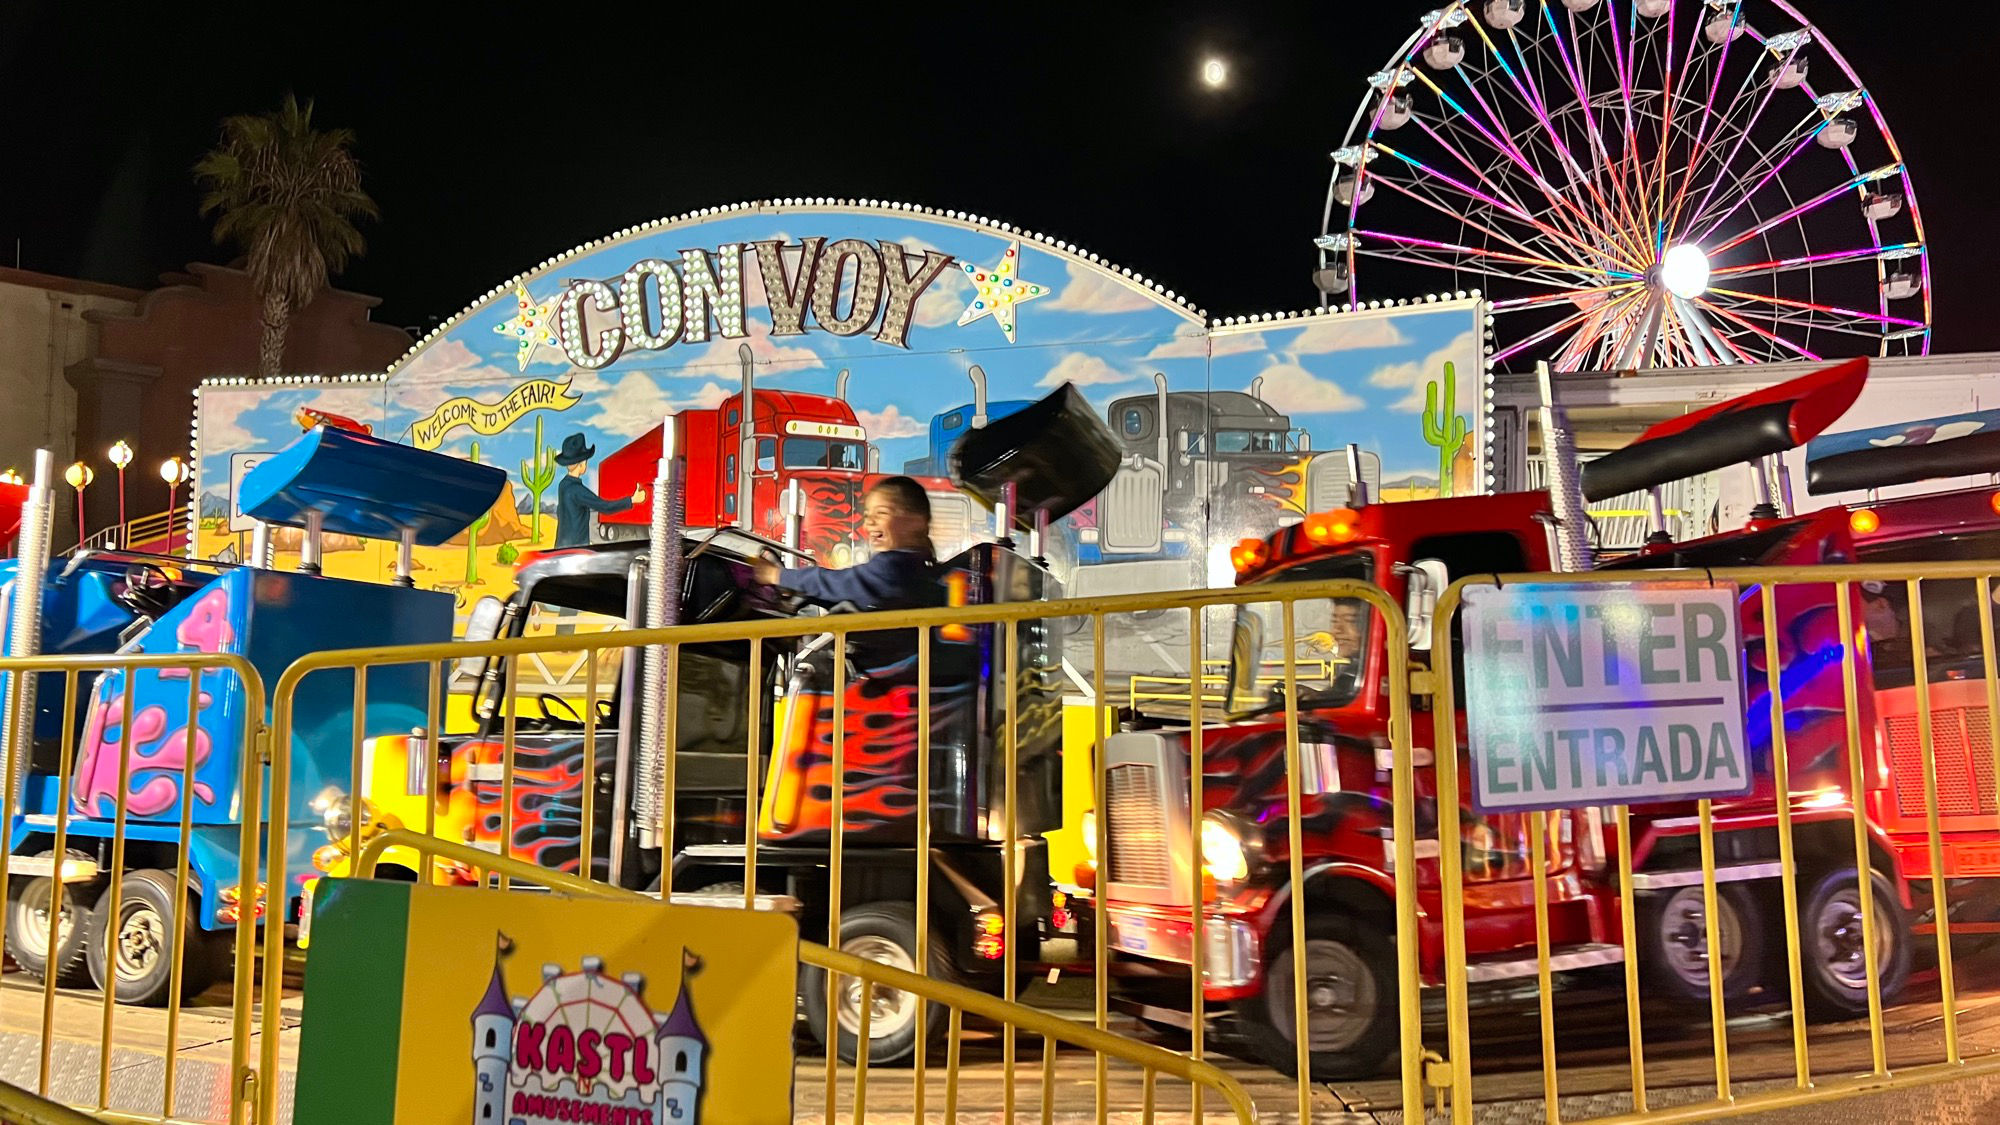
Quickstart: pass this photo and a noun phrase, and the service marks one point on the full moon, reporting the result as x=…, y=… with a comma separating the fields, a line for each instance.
x=1213, y=73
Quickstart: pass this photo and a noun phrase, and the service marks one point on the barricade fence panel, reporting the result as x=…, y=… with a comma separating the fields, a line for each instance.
x=893, y=779
x=1786, y=908
x=131, y=870
x=1245, y=842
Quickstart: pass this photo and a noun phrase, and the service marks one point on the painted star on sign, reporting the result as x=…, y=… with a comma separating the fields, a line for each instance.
x=999, y=290
x=532, y=326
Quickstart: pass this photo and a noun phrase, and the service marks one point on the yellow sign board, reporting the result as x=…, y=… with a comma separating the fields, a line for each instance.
x=429, y=1004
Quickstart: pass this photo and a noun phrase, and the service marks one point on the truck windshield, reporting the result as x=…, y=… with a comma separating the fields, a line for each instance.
x=1242, y=441
x=1953, y=643
x=1330, y=650
x=822, y=453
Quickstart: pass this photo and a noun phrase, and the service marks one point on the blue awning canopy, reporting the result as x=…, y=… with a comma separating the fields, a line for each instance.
x=369, y=487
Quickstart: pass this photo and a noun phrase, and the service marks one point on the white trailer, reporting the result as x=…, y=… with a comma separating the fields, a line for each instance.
x=1608, y=409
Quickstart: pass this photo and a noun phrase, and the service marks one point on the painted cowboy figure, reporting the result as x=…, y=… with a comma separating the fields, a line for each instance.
x=574, y=499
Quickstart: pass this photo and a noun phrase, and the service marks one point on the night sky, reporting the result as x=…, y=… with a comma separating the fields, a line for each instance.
x=503, y=136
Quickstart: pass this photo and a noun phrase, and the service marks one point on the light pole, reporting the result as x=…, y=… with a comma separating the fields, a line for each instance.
x=79, y=477
x=121, y=456
x=173, y=470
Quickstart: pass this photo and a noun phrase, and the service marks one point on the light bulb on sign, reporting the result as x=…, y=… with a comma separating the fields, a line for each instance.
x=1684, y=271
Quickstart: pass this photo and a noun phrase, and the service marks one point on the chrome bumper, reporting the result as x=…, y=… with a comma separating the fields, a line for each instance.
x=1229, y=946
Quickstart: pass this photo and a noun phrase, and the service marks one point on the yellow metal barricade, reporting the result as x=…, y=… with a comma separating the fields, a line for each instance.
x=131, y=939
x=1008, y=621
x=19, y=1107
x=1784, y=666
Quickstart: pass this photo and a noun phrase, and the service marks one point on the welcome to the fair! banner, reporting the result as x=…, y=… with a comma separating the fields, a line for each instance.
x=444, y=1004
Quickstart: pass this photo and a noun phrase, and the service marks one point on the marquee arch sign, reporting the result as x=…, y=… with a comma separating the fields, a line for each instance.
x=885, y=330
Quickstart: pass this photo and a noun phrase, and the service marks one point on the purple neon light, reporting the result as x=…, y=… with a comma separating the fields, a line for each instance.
x=1809, y=259
x=1507, y=149
x=1831, y=193
x=1752, y=193
x=1701, y=131
x=1516, y=209
x=1808, y=305
x=1531, y=93
x=1758, y=329
x=1589, y=121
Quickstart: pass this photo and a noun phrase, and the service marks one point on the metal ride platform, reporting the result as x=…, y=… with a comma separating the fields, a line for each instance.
x=1510, y=1095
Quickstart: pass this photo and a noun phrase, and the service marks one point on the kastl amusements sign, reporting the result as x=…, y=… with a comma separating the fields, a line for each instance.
x=1603, y=695
x=447, y=1004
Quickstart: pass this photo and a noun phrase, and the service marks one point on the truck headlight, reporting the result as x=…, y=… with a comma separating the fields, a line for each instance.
x=1225, y=853
x=1090, y=835
x=336, y=815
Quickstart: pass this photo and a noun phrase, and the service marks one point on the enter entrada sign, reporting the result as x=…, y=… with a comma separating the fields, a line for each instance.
x=1603, y=695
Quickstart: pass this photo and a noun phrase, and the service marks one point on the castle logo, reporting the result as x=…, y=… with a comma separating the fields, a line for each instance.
x=586, y=1048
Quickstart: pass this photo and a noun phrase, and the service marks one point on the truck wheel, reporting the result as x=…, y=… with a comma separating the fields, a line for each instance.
x=1351, y=1011
x=884, y=932
x=28, y=927
x=1834, y=969
x=1673, y=942
x=141, y=943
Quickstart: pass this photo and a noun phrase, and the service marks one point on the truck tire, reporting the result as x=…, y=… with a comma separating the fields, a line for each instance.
x=28, y=927
x=885, y=932
x=1673, y=943
x=141, y=943
x=1833, y=967
x=1351, y=1009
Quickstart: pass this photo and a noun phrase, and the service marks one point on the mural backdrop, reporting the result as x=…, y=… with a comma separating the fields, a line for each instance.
x=873, y=337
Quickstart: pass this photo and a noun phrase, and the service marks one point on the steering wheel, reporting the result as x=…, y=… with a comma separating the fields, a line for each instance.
x=146, y=591
x=569, y=718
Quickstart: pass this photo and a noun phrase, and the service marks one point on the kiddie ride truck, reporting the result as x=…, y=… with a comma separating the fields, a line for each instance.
x=124, y=603
x=1413, y=551
x=612, y=776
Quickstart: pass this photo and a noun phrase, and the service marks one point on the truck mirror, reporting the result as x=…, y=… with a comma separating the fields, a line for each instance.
x=1425, y=580
x=1181, y=446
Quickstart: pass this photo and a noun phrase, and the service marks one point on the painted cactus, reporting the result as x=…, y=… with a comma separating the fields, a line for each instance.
x=1444, y=427
x=472, y=531
x=537, y=474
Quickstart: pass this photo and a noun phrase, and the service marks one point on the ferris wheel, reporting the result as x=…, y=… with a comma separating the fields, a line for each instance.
x=1632, y=183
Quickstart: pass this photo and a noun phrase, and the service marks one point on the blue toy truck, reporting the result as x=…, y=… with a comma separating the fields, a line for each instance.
x=330, y=481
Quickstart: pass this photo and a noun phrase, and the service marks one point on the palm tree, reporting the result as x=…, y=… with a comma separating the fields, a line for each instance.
x=287, y=194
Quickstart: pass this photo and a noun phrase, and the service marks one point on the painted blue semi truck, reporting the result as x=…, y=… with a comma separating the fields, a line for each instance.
x=332, y=481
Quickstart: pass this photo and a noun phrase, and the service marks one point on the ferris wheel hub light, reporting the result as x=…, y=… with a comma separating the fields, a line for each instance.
x=1684, y=271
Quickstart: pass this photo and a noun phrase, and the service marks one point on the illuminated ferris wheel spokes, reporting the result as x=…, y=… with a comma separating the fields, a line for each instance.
x=1634, y=183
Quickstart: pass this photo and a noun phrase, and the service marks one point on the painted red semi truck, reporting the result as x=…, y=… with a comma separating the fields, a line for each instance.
x=1145, y=883
x=810, y=442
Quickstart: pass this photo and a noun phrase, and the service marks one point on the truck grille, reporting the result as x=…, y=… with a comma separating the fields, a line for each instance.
x=1962, y=740
x=1138, y=826
x=951, y=525
x=1129, y=512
